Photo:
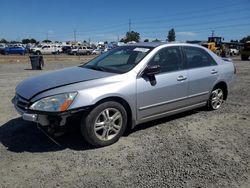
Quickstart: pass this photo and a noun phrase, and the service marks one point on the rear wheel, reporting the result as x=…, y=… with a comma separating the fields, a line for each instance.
x=105, y=124
x=216, y=99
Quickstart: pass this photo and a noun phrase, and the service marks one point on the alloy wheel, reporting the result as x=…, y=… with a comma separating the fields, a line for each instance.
x=108, y=124
x=216, y=98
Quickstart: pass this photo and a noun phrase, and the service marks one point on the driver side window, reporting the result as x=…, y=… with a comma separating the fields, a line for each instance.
x=169, y=59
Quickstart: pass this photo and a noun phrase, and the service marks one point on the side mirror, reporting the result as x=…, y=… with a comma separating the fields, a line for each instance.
x=151, y=70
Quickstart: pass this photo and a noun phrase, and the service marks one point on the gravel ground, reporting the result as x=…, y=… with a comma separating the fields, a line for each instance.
x=194, y=149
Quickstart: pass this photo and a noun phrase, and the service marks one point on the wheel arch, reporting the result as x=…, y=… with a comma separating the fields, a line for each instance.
x=223, y=86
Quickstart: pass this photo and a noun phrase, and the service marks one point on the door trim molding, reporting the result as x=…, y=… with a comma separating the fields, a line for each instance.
x=171, y=101
x=174, y=111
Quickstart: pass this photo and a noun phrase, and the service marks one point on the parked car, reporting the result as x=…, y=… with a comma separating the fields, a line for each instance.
x=66, y=49
x=14, y=50
x=245, y=52
x=97, y=51
x=46, y=49
x=57, y=49
x=233, y=51
x=82, y=50
x=124, y=87
x=2, y=47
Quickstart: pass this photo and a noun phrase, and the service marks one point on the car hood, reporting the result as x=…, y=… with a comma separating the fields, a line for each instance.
x=38, y=84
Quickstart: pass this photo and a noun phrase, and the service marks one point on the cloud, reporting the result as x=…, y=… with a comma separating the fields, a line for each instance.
x=186, y=33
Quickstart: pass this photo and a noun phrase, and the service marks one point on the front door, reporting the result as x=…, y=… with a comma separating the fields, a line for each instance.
x=167, y=91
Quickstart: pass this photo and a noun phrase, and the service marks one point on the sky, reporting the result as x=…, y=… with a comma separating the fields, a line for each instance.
x=108, y=20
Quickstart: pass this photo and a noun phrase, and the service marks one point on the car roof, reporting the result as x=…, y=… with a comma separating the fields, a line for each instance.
x=156, y=44
x=147, y=44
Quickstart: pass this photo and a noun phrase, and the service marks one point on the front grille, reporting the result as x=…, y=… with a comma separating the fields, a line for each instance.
x=21, y=103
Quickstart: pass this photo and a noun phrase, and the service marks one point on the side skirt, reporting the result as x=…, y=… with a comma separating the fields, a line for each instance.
x=171, y=112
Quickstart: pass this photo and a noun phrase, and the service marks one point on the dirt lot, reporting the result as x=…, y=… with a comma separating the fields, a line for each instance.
x=193, y=149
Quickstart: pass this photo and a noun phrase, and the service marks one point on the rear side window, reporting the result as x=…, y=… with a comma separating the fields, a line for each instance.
x=169, y=59
x=197, y=57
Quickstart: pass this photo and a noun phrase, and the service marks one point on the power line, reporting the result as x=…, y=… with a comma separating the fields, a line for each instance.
x=219, y=8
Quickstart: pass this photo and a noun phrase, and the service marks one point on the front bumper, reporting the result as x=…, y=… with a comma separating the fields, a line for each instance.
x=30, y=117
x=44, y=118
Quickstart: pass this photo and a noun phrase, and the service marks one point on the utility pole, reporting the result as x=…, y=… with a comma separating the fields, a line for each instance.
x=75, y=36
x=129, y=25
x=47, y=35
x=212, y=33
x=118, y=38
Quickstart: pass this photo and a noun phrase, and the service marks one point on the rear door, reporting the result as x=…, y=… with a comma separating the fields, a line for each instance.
x=165, y=92
x=202, y=73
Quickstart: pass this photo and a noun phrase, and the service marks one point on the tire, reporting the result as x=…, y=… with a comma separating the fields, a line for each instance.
x=244, y=57
x=104, y=124
x=218, y=52
x=216, y=99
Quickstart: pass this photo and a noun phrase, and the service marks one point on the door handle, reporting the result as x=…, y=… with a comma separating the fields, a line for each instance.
x=181, y=78
x=214, y=71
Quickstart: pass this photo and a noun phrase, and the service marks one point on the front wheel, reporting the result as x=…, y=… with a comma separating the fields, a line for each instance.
x=105, y=124
x=216, y=99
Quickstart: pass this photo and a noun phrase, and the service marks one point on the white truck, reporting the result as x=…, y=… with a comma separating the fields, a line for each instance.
x=47, y=49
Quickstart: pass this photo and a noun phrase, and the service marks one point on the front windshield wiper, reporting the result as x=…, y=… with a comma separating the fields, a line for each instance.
x=95, y=67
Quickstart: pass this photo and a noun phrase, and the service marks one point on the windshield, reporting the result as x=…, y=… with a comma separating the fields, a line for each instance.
x=118, y=60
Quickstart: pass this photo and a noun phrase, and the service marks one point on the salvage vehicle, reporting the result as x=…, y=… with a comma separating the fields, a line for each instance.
x=245, y=52
x=14, y=50
x=126, y=86
x=81, y=50
x=233, y=51
x=46, y=49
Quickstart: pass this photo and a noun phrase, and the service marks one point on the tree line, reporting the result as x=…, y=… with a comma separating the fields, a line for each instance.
x=130, y=36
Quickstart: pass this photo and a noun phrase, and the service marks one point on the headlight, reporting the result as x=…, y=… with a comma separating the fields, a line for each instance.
x=56, y=103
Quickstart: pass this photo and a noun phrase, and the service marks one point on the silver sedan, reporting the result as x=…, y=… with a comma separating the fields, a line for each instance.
x=124, y=87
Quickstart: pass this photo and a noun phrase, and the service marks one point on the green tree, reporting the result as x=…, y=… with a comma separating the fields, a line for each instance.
x=245, y=39
x=171, y=35
x=14, y=42
x=146, y=40
x=47, y=41
x=26, y=41
x=234, y=41
x=33, y=41
x=131, y=36
x=122, y=40
x=3, y=41
x=156, y=40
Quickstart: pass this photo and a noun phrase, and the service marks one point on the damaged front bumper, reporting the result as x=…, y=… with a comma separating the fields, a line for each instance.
x=44, y=118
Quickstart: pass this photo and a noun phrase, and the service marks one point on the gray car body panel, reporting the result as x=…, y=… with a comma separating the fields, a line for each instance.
x=147, y=102
x=34, y=85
